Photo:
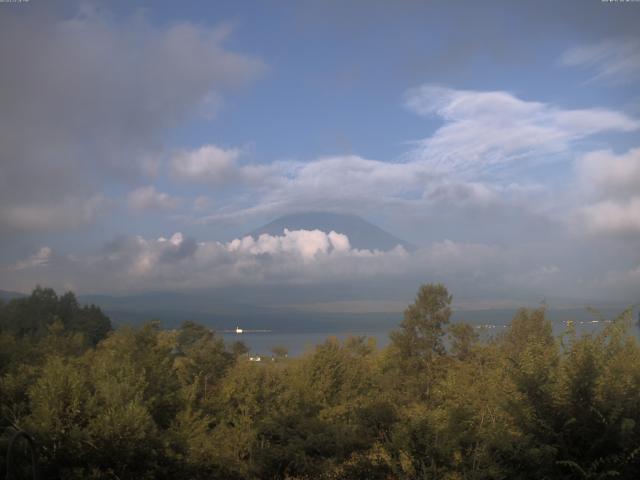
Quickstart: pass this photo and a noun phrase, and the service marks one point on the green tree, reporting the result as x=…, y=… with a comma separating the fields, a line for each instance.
x=417, y=347
x=464, y=339
x=30, y=316
x=58, y=414
x=123, y=434
x=204, y=359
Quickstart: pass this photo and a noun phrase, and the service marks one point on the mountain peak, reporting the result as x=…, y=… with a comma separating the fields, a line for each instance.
x=362, y=234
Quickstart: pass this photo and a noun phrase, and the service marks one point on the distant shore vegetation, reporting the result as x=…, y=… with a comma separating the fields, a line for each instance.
x=437, y=403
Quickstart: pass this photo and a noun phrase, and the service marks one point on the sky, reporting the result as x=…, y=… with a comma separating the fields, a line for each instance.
x=142, y=140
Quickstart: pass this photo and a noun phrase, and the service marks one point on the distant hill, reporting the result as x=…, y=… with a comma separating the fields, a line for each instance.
x=362, y=234
x=6, y=295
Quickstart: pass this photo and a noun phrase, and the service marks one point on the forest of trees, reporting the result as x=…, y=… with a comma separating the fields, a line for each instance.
x=436, y=403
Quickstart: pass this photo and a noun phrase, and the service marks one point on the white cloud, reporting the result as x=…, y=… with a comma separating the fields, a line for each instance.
x=605, y=173
x=337, y=182
x=136, y=263
x=339, y=242
x=611, y=186
x=176, y=262
x=294, y=257
x=208, y=164
x=614, y=217
x=148, y=198
x=614, y=60
x=306, y=243
x=345, y=179
x=485, y=129
x=481, y=131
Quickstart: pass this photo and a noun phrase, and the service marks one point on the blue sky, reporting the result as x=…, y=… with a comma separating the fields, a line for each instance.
x=500, y=137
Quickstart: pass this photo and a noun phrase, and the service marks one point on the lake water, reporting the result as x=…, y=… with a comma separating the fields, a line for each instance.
x=487, y=323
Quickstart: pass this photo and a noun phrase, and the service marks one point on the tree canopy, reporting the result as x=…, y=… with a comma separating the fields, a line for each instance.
x=439, y=402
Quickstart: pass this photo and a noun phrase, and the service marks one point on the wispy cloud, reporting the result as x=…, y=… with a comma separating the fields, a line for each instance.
x=488, y=129
x=453, y=166
x=613, y=60
x=39, y=259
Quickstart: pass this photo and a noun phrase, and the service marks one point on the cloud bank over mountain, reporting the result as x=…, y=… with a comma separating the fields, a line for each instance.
x=139, y=264
x=299, y=257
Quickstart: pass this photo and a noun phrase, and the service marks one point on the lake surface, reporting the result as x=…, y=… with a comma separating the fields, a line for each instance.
x=299, y=331
x=488, y=323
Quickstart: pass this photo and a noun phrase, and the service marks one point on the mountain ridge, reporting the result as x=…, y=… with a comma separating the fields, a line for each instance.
x=7, y=295
x=362, y=234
